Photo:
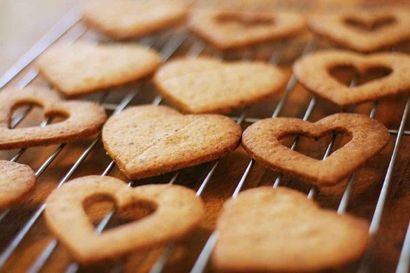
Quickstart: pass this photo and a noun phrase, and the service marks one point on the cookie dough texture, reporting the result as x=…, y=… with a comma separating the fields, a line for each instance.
x=16, y=180
x=313, y=73
x=227, y=30
x=127, y=19
x=151, y=140
x=380, y=29
x=84, y=68
x=262, y=141
x=208, y=85
x=176, y=211
x=281, y=230
x=82, y=119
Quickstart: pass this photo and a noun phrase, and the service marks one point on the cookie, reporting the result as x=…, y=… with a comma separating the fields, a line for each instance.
x=236, y=29
x=208, y=85
x=83, y=119
x=16, y=180
x=126, y=19
x=364, y=30
x=280, y=230
x=313, y=72
x=84, y=68
x=262, y=140
x=151, y=140
x=175, y=212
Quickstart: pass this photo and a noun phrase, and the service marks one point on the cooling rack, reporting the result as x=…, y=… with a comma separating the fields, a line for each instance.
x=27, y=246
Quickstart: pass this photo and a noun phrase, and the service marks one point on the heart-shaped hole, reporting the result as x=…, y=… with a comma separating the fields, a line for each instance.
x=315, y=146
x=348, y=74
x=26, y=115
x=98, y=206
x=245, y=20
x=371, y=25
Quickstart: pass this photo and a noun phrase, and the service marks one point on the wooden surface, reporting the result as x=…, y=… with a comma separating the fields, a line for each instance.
x=387, y=243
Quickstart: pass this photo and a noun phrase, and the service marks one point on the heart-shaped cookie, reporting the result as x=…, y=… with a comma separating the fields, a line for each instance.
x=83, y=119
x=235, y=29
x=126, y=19
x=262, y=140
x=207, y=85
x=150, y=140
x=280, y=230
x=16, y=180
x=313, y=72
x=83, y=68
x=364, y=30
x=176, y=211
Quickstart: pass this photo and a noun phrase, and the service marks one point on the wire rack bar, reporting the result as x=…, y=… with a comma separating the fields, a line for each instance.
x=69, y=20
x=404, y=260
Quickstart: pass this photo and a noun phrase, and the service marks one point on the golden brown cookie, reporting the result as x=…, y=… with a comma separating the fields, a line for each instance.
x=208, y=85
x=84, y=68
x=262, y=140
x=83, y=119
x=280, y=230
x=175, y=212
x=313, y=72
x=236, y=29
x=151, y=140
x=16, y=180
x=364, y=30
x=126, y=19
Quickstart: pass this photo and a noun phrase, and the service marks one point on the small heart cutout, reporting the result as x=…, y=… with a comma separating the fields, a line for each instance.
x=236, y=29
x=150, y=140
x=127, y=19
x=177, y=210
x=84, y=119
x=313, y=72
x=280, y=230
x=262, y=141
x=207, y=85
x=16, y=180
x=364, y=30
x=83, y=68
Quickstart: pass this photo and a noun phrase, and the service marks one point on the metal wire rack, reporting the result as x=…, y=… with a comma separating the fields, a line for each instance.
x=70, y=29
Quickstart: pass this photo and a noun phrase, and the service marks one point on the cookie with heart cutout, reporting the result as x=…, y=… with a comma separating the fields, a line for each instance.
x=16, y=180
x=128, y=19
x=209, y=85
x=313, y=72
x=364, y=30
x=262, y=140
x=151, y=140
x=236, y=29
x=83, y=68
x=82, y=119
x=281, y=230
x=174, y=212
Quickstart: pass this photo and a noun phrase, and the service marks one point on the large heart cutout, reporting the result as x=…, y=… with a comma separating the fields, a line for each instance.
x=280, y=230
x=126, y=19
x=364, y=30
x=150, y=140
x=368, y=137
x=83, y=119
x=83, y=68
x=177, y=210
x=236, y=29
x=313, y=71
x=16, y=180
x=207, y=85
